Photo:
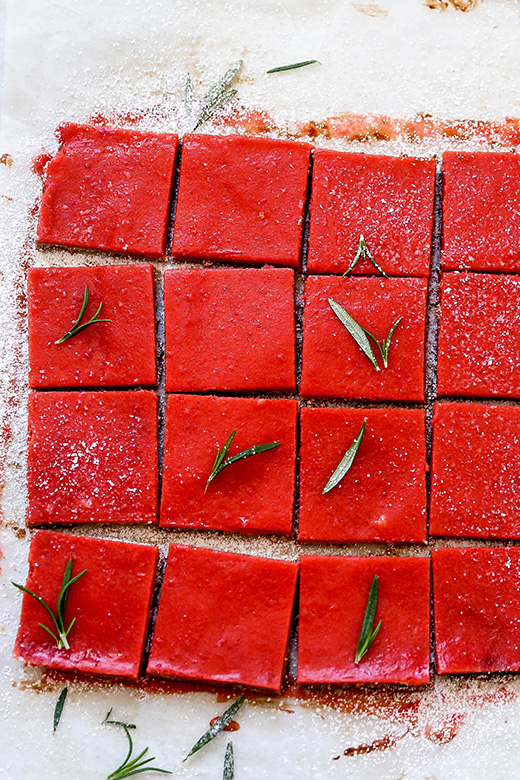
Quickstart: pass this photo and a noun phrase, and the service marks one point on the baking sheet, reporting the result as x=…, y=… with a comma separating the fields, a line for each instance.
x=70, y=60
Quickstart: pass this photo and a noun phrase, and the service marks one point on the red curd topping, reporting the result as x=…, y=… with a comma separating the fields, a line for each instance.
x=109, y=189
x=333, y=599
x=110, y=603
x=92, y=457
x=383, y=495
x=333, y=364
x=229, y=329
x=479, y=335
x=387, y=200
x=241, y=200
x=253, y=495
x=223, y=618
x=476, y=596
x=120, y=352
x=481, y=211
x=484, y=500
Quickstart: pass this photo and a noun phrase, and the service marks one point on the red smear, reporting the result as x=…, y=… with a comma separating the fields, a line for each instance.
x=40, y=162
x=377, y=746
x=231, y=726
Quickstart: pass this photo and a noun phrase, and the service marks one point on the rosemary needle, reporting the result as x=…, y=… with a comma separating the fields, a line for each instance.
x=368, y=632
x=294, y=66
x=229, y=763
x=78, y=325
x=59, y=709
x=59, y=618
x=221, y=462
x=218, y=726
x=346, y=461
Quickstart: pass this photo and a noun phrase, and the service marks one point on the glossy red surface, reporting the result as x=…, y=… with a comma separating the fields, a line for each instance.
x=110, y=602
x=476, y=597
x=479, y=335
x=481, y=211
x=387, y=200
x=92, y=457
x=223, y=618
x=118, y=353
x=254, y=495
x=109, y=189
x=241, y=200
x=383, y=495
x=333, y=598
x=333, y=364
x=481, y=499
x=229, y=329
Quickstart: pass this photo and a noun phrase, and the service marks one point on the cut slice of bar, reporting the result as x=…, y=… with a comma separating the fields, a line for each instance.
x=387, y=200
x=223, y=618
x=92, y=457
x=334, y=365
x=253, y=495
x=475, y=466
x=109, y=189
x=333, y=599
x=479, y=335
x=476, y=597
x=241, y=200
x=229, y=329
x=117, y=353
x=481, y=211
x=110, y=604
x=383, y=495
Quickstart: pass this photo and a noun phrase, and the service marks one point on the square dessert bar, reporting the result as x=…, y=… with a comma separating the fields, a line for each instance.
x=479, y=335
x=223, y=618
x=334, y=366
x=109, y=189
x=476, y=601
x=333, y=599
x=92, y=457
x=387, y=200
x=475, y=490
x=241, y=200
x=110, y=604
x=229, y=329
x=252, y=495
x=382, y=498
x=116, y=353
x=481, y=211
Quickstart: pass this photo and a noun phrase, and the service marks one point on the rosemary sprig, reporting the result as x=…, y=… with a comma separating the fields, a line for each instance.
x=368, y=632
x=346, y=461
x=294, y=66
x=116, y=722
x=229, y=763
x=218, y=726
x=361, y=334
x=59, y=709
x=135, y=766
x=78, y=326
x=363, y=253
x=220, y=94
x=59, y=618
x=221, y=461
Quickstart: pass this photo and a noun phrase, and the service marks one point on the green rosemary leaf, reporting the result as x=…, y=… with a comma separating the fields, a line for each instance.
x=59, y=709
x=59, y=618
x=218, y=726
x=368, y=633
x=346, y=461
x=219, y=95
x=221, y=462
x=229, y=763
x=294, y=66
x=363, y=253
x=356, y=331
x=384, y=346
x=77, y=327
x=116, y=722
x=188, y=95
x=136, y=766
